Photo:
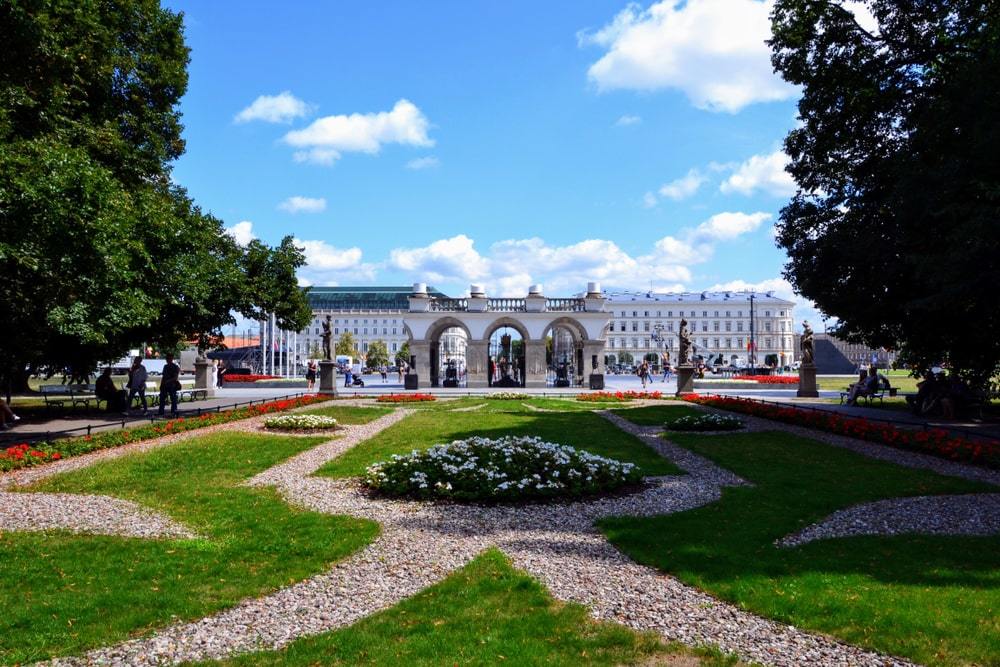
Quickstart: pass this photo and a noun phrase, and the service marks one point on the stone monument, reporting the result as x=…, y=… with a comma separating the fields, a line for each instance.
x=205, y=375
x=807, y=367
x=685, y=369
x=327, y=368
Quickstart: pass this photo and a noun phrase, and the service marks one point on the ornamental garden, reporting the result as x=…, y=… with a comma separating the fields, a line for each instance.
x=602, y=530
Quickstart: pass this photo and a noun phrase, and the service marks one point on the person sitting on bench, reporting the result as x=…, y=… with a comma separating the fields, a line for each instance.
x=7, y=416
x=866, y=385
x=106, y=390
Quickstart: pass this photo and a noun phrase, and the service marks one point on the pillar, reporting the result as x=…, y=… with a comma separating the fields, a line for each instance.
x=204, y=375
x=477, y=364
x=421, y=369
x=536, y=369
x=328, y=377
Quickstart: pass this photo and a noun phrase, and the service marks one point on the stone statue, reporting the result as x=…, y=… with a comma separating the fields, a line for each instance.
x=807, y=343
x=327, y=335
x=684, y=353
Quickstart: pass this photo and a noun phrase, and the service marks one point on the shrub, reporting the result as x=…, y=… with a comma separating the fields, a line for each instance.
x=249, y=378
x=769, y=379
x=618, y=396
x=300, y=422
x=508, y=468
x=405, y=398
x=704, y=423
x=507, y=396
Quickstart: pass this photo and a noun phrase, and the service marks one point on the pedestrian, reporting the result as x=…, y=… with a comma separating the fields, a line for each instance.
x=106, y=390
x=666, y=369
x=137, y=385
x=348, y=372
x=7, y=416
x=170, y=384
x=385, y=374
x=644, y=373
x=311, y=374
x=399, y=370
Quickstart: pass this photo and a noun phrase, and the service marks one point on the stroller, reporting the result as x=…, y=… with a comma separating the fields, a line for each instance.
x=357, y=382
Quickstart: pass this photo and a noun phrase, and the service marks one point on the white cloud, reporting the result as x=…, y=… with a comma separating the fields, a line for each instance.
x=712, y=50
x=329, y=265
x=423, y=163
x=325, y=139
x=303, y=205
x=649, y=200
x=242, y=232
x=761, y=172
x=628, y=120
x=804, y=309
x=508, y=267
x=281, y=108
x=683, y=187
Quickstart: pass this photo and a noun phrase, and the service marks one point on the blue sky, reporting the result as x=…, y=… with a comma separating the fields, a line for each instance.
x=496, y=143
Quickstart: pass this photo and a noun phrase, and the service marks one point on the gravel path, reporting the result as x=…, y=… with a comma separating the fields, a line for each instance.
x=968, y=514
x=98, y=515
x=421, y=543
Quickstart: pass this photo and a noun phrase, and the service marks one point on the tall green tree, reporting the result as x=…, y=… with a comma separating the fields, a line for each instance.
x=345, y=345
x=378, y=354
x=895, y=228
x=99, y=250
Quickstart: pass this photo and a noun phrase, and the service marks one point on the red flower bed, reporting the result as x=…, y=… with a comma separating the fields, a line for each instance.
x=24, y=455
x=619, y=396
x=936, y=442
x=769, y=379
x=405, y=398
x=249, y=378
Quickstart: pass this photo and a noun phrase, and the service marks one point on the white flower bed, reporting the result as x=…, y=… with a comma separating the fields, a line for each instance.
x=509, y=468
x=507, y=396
x=705, y=423
x=300, y=422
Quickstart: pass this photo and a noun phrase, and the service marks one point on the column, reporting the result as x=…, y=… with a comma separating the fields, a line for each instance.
x=477, y=362
x=421, y=369
x=534, y=360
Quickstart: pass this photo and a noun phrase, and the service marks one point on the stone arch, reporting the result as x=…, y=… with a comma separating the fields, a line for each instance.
x=511, y=322
x=573, y=326
x=433, y=339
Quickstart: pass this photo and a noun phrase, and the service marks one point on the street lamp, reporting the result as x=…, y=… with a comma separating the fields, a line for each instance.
x=753, y=342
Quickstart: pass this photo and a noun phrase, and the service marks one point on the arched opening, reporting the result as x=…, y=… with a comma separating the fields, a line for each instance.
x=449, y=341
x=564, y=357
x=506, y=350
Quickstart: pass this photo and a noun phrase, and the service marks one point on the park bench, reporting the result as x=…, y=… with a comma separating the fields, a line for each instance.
x=880, y=394
x=58, y=395
x=186, y=392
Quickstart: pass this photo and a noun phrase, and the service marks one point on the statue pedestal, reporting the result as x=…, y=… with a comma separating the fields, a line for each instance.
x=410, y=381
x=685, y=379
x=597, y=381
x=327, y=377
x=204, y=376
x=807, y=381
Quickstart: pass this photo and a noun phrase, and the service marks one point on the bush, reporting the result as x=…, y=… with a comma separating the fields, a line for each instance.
x=618, y=396
x=249, y=378
x=300, y=422
x=704, y=423
x=506, y=396
x=509, y=468
x=405, y=398
x=769, y=379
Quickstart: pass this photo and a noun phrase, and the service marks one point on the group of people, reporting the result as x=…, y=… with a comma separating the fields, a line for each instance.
x=135, y=387
x=868, y=384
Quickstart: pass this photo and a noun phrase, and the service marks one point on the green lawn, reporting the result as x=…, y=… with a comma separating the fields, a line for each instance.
x=429, y=427
x=346, y=414
x=61, y=594
x=656, y=415
x=485, y=614
x=935, y=600
x=901, y=381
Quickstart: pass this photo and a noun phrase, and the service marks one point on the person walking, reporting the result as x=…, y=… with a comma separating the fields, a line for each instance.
x=311, y=374
x=643, y=373
x=137, y=385
x=348, y=372
x=170, y=384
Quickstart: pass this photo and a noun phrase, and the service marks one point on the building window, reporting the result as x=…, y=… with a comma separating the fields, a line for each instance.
x=767, y=313
x=635, y=326
x=670, y=326
x=394, y=348
x=715, y=325
x=767, y=343
x=622, y=326
x=635, y=313
x=739, y=343
x=704, y=326
x=355, y=329
x=715, y=342
x=366, y=347
x=767, y=326
x=729, y=343
x=645, y=342
x=336, y=330
x=394, y=329
x=729, y=325
x=739, y=326
x=612, y=341
x=645, y=313
x=645, y=325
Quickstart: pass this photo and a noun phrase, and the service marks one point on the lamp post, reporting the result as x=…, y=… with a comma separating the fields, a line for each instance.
x=658, y=337
x=753, y=340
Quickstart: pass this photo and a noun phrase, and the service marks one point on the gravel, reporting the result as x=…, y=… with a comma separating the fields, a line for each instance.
x=421, y=543
x=96, y=515
x=968, y=514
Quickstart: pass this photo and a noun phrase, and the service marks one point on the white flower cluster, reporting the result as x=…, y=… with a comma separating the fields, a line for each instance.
x=300, y=422
x=506, y=396
x=710, y=422
x=508, y=468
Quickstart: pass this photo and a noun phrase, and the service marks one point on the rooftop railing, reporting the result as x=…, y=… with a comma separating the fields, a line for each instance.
x=508, y=305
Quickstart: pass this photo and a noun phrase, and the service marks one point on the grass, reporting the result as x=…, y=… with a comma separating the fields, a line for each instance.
x=429, y=427
x=932, y=599
x=487, y=613
x=345, y=414
x=63, y=593
x=656, y=415
x=904, y=384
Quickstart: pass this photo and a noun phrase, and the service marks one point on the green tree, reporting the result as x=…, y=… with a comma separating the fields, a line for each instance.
x=345, y=345
x=378, y=354
x=98, y=249
x=403, y=356
x=893, y=229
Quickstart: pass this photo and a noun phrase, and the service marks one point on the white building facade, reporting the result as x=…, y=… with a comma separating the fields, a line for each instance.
x=646, y=326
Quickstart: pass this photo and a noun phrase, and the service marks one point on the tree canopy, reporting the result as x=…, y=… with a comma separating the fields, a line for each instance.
x=378, y=354
x=99, y=250
x=345, y=344
x=894, y=228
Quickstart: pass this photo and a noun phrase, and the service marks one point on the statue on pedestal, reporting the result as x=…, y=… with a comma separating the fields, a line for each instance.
x=326, y=336
x=806, y=345
x=684, y=352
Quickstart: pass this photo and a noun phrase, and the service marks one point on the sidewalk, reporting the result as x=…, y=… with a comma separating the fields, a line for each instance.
x=31, y=430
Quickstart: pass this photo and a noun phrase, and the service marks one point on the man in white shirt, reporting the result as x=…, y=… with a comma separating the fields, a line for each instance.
x=137, y=384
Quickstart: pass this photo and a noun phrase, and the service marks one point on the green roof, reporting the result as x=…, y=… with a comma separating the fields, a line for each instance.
x=364, y=298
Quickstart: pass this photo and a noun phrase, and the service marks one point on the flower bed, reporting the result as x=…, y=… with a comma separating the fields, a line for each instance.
x=509, y=468
x=704, y=423
x=769, y=379
x=10, y=460
x=300, y=422
x=249, y=378
x=507, y=396
x=618, y=396
x=404, y=398
x=936, y=442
